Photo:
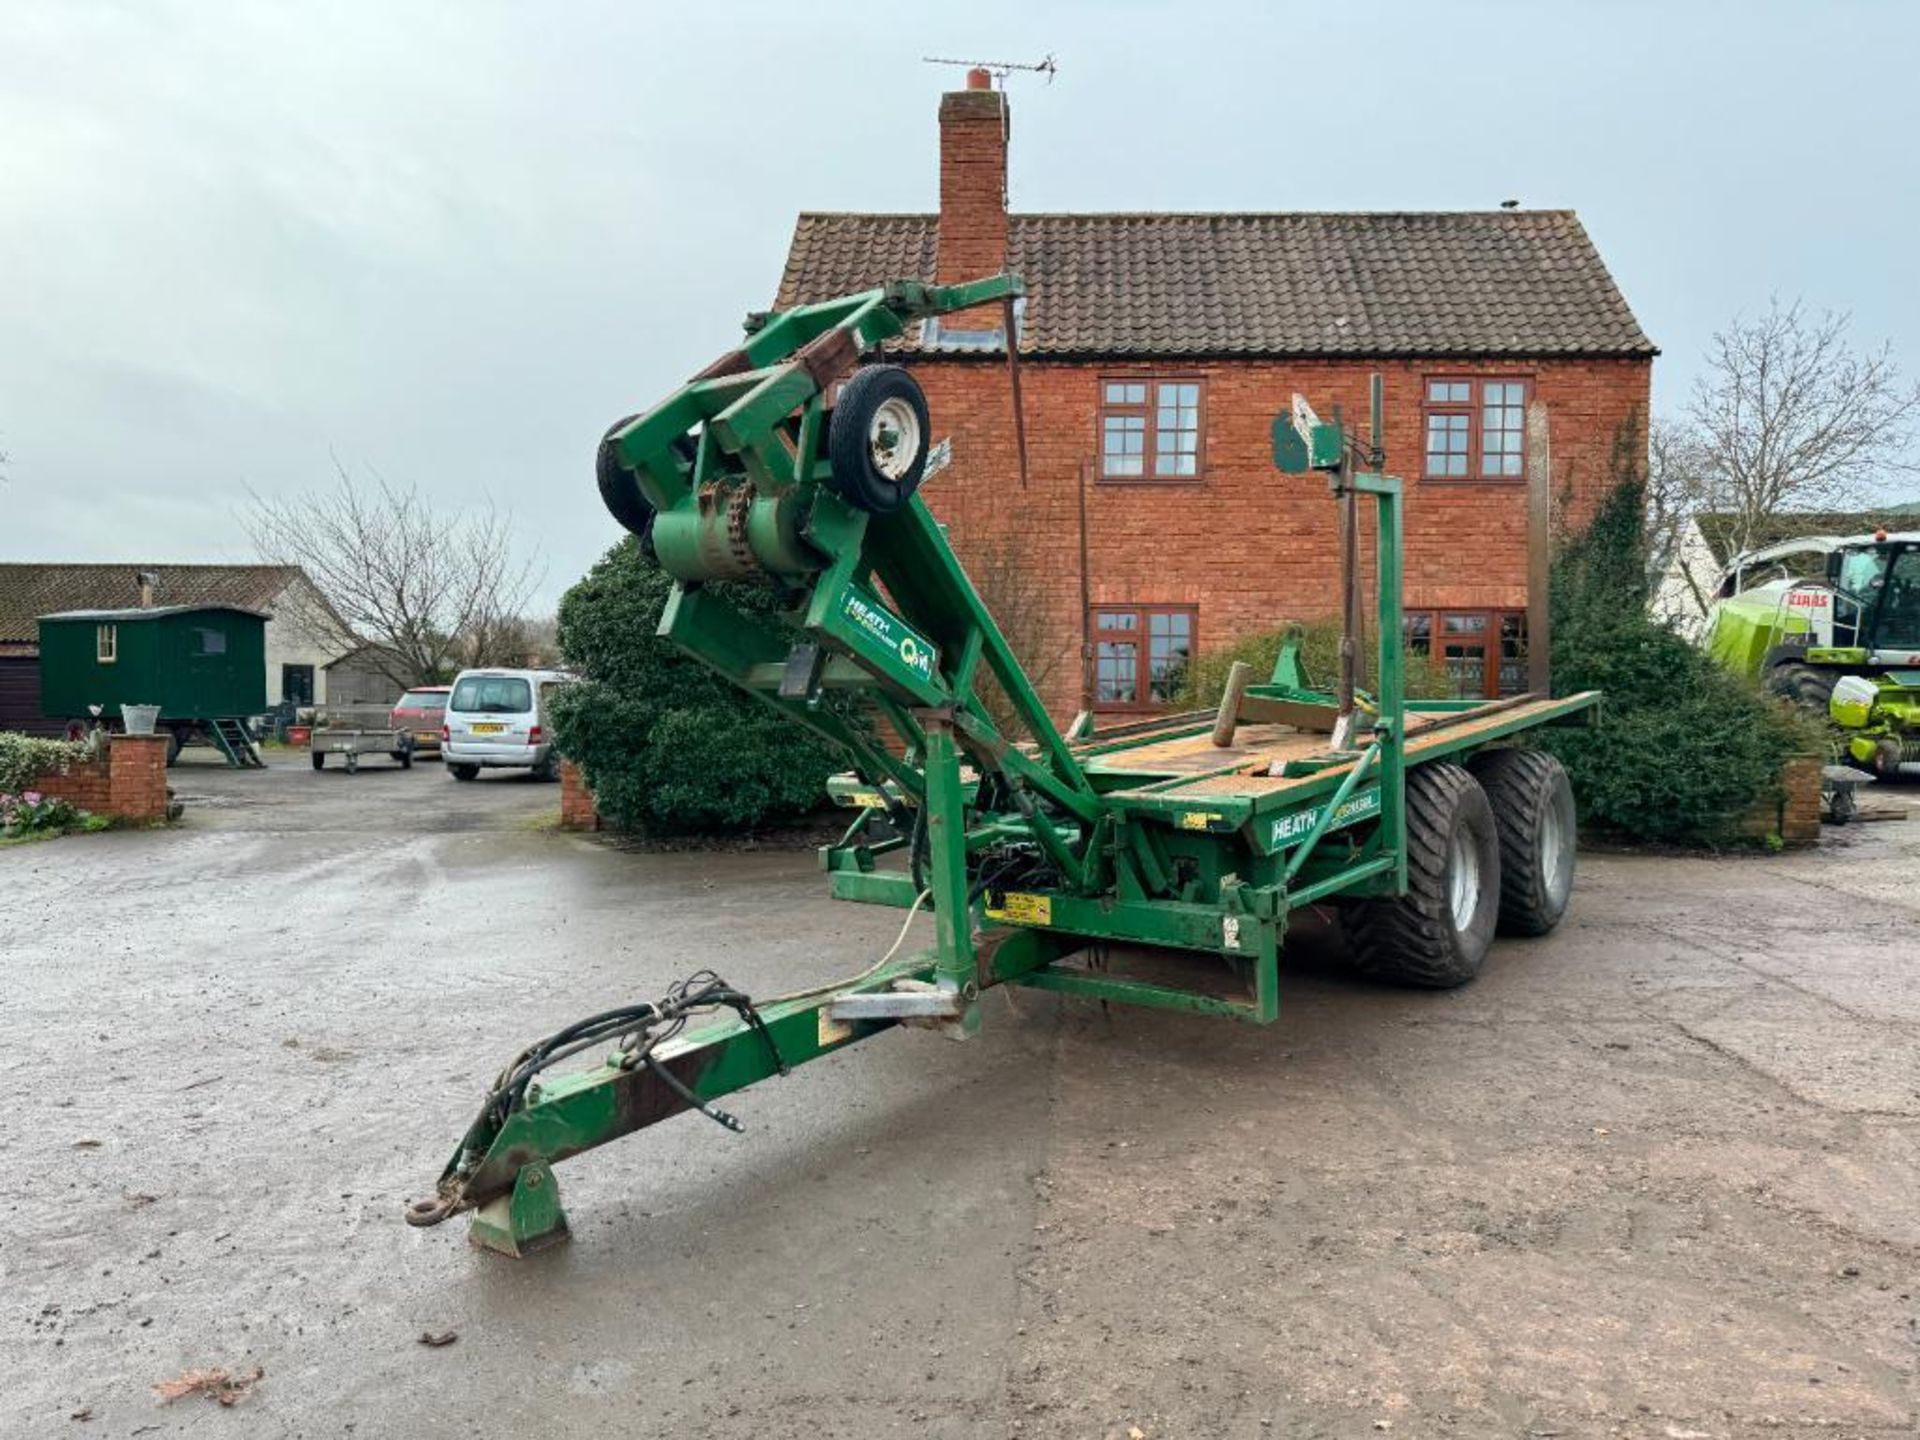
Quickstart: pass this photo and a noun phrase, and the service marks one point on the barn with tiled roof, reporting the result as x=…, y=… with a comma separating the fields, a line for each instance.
x=302, y=632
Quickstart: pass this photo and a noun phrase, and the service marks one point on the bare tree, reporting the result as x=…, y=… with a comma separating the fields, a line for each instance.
x=427, y=590
x=1790, y=416
x=1679, y=486
x=493, y=637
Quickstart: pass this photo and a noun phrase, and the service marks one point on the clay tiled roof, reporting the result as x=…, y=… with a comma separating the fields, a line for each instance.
x=30, y=591
x=1522, y=282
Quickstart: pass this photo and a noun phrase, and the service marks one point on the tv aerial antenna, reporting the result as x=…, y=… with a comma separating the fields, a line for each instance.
x=999, y=69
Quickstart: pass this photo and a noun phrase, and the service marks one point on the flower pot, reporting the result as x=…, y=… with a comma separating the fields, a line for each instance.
x=140, y=718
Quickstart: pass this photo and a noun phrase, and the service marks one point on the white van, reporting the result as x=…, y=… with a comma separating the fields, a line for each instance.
x=497, y=719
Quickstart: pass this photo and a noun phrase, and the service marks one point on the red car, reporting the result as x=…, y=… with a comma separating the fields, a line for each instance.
x=421, y=712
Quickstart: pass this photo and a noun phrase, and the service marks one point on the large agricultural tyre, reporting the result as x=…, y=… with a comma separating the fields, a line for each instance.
x=1436, y=934
x=1808, y=686
x=1533, y=815
x=878, y=440
x=620, y=488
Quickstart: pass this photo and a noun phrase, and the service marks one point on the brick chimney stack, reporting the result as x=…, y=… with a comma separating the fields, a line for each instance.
x=973, y=181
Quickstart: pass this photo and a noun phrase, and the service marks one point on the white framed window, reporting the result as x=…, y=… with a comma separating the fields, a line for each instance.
x=106, y=643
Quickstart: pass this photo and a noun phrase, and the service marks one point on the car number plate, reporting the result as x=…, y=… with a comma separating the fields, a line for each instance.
x=484, y=729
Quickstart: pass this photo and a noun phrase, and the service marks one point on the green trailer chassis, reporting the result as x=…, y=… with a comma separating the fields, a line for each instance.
x=1199, y=833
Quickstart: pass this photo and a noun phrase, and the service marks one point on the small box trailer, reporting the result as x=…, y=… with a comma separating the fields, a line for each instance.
x=349, y=744
x=787, y=463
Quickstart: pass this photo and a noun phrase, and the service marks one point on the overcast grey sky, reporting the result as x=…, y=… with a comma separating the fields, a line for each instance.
x=451, y=241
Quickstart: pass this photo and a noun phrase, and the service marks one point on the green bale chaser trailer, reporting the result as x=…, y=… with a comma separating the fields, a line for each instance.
x=1833, y=623
x=205, y=666
x=1045, y=858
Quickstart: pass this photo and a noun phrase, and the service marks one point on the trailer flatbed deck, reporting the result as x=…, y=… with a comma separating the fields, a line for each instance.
x=1276, y=760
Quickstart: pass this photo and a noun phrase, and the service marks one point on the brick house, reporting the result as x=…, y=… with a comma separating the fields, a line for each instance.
x=1155, y=351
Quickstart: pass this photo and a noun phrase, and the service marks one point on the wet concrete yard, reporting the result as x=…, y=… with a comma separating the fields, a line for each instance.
x=1658, y=1175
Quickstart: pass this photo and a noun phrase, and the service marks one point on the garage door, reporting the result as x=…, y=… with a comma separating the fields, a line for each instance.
x=20, y=696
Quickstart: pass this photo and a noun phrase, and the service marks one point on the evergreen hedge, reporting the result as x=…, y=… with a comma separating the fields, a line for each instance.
x=1684, y=746
x=666, y=745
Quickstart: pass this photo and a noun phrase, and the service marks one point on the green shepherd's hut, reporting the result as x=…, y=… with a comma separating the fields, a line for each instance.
x=203, y=665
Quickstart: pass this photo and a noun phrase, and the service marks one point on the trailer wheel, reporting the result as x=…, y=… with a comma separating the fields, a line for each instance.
x=405, y=756
x=1436, y=934
x=879, y=438
x=319, y=759
x=175, y=740
x=1841, y=806
x=1534, y=818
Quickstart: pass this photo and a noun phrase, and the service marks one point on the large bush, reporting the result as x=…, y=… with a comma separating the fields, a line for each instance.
x=665, y=744
x=1684, y=746
x=1206, y=674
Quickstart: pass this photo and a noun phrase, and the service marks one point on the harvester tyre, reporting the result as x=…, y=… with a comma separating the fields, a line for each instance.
x=1436, y=935
x=1533, y=815
x=878, y=440
x=1807, y=686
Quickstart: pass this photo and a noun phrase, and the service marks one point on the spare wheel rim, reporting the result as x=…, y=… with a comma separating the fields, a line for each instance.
x=893, y=438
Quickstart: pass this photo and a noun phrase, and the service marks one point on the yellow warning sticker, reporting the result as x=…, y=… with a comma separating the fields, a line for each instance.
x=868, y=799
x=1023, y=909
x=1199, y=819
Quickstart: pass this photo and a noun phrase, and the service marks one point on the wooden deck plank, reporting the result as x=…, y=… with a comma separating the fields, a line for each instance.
x=1251, y=781
x=1255, y=746
x=1191, y=754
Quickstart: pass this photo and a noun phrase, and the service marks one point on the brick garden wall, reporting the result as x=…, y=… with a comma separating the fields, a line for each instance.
x=1246, y=545
x=128, y=782
x=86, y=783
x=1793, y=811
x=577, y=810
